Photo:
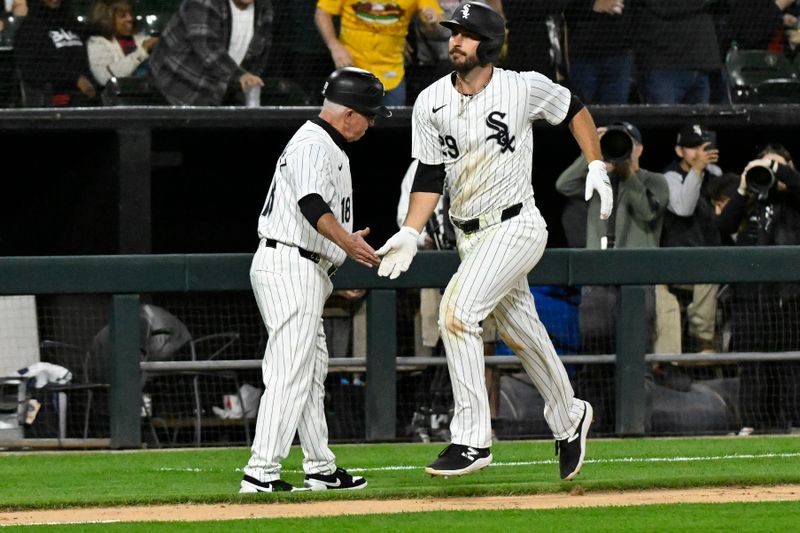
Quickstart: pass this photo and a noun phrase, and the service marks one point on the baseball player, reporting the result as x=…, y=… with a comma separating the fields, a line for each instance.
x=306, y=232
x=473, y=129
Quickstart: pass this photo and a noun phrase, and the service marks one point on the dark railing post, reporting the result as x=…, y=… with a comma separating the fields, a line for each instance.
x=134, y=193
x=630, y=372
x=381, y=382
x=125, y=397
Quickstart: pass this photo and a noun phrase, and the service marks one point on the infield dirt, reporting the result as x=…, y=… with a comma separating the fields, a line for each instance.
x=577, y=498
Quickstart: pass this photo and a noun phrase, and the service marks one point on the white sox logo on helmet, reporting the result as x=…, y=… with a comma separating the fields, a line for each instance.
x=465, y=11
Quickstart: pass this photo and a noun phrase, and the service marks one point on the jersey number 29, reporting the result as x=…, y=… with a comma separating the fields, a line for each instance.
x=449, y=146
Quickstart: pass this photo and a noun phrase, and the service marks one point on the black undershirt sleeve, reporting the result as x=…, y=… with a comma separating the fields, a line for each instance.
x=575, y=105
x=313, y=207
x=429, y=178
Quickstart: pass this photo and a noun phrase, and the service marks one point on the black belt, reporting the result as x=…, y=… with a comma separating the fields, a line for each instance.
x=474, y=224
x=307, y=254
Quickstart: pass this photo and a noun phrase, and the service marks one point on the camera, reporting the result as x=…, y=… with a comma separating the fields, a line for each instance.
x=759, y=181
x=617, y=143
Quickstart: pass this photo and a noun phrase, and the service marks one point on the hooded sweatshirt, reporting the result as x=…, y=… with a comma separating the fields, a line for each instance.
x=49, y=48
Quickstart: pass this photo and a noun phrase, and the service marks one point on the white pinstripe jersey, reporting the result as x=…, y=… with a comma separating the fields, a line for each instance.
x=485, y=141
x=312, y=162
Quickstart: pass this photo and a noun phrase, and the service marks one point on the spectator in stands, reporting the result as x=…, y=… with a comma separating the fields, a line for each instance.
x=50, y=54
x=689, y=221
x=753, y=24
x=600, y=50
x=372, y=36
x=11, y=9
x=212, y=52
x=534, y=36
x=765, y=211
x=640, y=198
x=299, y=53
x=676, y=51
x=116, y=51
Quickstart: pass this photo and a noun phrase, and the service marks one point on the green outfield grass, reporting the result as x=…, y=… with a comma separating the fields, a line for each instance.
x=741, y=518
x=51, y=480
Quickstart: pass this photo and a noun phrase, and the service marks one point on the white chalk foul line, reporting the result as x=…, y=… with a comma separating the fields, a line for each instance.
x=500, y=464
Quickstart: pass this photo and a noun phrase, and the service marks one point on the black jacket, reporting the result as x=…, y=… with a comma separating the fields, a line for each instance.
x=774, y=222
x=529, y=44
x=50, y=49
x=593, y=35
x=675, y=35
x=750, y=23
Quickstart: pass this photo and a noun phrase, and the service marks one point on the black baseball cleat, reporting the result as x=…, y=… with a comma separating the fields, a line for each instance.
x=251, y=485
x=339, y=480
x=572, y=450
x=457, y=460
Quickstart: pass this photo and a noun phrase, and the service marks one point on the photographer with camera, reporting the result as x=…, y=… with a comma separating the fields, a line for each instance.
x=765, y=317
x=640, y=198
x=689, y=222
x=641, y=195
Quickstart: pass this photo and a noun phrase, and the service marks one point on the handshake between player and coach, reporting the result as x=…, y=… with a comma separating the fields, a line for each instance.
x=398, y=252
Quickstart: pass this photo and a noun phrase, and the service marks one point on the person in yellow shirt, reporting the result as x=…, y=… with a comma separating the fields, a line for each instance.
x=373, y=36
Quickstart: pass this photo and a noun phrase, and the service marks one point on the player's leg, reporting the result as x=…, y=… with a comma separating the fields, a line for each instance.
x=290, y=301
x=492, y=259
x=319, y=462
x=519, y=324
x=523, y=331
x=568, y=417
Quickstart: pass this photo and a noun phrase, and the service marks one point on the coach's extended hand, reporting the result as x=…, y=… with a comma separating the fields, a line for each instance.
x=398, y=252
x=597, y=180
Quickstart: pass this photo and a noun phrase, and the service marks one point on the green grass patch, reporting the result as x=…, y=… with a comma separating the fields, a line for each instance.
x=49, y=480
x=751, y=517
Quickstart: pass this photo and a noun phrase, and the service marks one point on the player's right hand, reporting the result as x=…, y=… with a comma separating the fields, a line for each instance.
x=398, y=252
x=597, y=180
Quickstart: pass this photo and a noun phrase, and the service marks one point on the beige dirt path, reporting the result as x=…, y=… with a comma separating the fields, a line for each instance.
x=330, y=508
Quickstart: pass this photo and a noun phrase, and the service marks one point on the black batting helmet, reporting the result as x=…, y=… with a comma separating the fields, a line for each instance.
x=482, y=20
x=357, y=89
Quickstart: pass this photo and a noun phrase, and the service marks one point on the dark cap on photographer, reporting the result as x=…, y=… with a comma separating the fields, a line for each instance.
x=692, y=136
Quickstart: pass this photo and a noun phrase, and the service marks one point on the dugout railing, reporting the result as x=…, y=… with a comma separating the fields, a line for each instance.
x=126, y=277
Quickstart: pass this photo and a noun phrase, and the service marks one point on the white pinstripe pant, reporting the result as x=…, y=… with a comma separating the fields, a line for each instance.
x=495, y=262
x=291, y=292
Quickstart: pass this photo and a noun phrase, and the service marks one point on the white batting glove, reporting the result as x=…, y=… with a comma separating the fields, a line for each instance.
x=597, y=180
x=398, y=252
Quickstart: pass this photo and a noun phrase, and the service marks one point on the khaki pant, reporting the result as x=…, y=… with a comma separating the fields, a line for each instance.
x=701, y=315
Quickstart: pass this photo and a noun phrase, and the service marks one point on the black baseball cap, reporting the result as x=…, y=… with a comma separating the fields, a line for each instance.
x=692, y=136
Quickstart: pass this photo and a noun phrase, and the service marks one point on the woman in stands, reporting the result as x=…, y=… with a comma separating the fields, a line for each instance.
x=116, y=51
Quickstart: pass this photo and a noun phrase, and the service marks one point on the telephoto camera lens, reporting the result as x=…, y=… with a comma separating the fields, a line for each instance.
x=759, y=181
x=616, y=145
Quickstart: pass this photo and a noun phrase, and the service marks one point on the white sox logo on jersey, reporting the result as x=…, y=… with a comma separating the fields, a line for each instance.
x=502, y=138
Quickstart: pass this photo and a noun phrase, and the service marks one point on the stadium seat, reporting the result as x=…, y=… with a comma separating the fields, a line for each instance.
x=131, y=91
x=761, y=77
x=177, y=400
x=283, y=92
x=89, y=379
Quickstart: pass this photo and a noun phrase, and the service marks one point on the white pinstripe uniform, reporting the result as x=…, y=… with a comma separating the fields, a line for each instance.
x=485, y=142
x=291, y=291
